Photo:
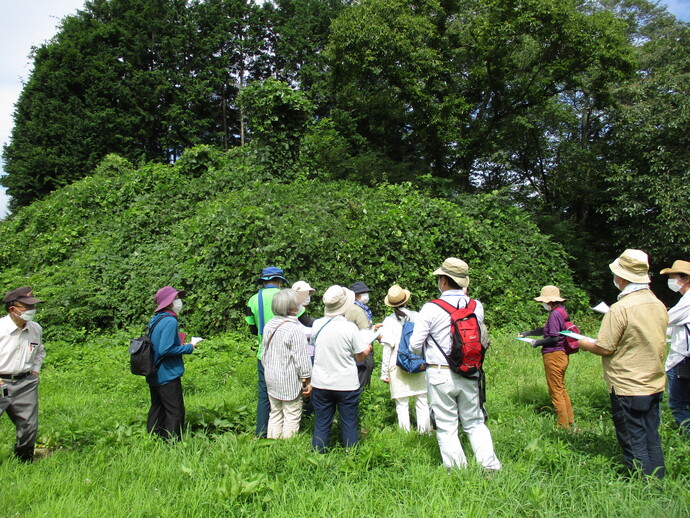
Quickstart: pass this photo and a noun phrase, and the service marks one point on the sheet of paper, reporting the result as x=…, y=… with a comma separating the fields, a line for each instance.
x=522, y=339
x=577, y=336
x=602, y=307
x=370, y=334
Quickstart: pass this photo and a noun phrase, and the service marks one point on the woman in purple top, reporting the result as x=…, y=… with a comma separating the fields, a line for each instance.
x=553, y=352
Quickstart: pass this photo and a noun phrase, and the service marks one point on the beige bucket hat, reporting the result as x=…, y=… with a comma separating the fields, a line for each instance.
x=397, y=296
x=456, y=269
x=337, y=300
x=682, y=267
x=633, y=266
x=550, y=294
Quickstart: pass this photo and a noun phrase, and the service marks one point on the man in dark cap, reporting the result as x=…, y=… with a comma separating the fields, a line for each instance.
x=258, y=313
x=21, y=357
x=361, y=315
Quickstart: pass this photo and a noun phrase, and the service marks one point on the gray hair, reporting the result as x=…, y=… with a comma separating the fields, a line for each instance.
x=285, y=302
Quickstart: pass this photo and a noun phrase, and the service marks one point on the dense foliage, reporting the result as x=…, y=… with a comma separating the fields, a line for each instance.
x=578, y=110
x=98, y=249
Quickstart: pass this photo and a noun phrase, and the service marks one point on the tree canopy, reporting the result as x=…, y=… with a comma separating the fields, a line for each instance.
x=577, y=111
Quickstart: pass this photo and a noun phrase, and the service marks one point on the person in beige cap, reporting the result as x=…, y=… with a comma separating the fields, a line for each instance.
x=554, y=352
x=678, y=359
x=21, y=357
x=454, y=399
x=335, y=384
x=632, y=344
x=403, y=385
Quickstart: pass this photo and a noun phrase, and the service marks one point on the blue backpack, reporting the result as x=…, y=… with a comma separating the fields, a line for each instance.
x=407, y=360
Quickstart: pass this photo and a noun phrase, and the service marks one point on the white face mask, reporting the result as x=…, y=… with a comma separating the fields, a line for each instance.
x=307, y=300
x=673, y=285
x=365, y=298
x=28, y=315
x=546, y=306
x=177, y=305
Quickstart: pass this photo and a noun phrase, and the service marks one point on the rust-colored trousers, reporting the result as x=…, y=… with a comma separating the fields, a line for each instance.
x=555, y=365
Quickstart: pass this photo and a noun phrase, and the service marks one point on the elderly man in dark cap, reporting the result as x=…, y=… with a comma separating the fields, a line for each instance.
x=21, y=357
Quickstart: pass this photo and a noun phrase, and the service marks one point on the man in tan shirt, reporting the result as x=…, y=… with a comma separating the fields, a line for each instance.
x=632, y=344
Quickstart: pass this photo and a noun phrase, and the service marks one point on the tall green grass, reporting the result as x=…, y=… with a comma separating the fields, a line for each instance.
x=102, y=463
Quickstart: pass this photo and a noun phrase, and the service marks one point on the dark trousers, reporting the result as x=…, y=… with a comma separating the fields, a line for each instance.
x=636, y=419
x=364, y=370
x=325, y=403
x=679, y=397
x=166, y=415
x=263, y=405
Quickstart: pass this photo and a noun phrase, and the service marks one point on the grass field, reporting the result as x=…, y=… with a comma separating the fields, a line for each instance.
x=100, y=461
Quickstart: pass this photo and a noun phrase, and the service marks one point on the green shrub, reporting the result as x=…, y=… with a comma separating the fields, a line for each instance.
x=98, y=250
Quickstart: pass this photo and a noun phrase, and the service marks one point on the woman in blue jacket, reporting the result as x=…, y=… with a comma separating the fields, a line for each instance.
x=166, y=415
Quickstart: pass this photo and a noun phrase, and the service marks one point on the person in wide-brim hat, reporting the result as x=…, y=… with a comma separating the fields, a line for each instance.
x=397, y=296
x=632, y=266
x=456, y=269
x=549, y=294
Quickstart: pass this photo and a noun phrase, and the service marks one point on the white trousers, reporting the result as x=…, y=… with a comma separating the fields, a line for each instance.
x=455, y=398
x=421, y=405
x=283, y=421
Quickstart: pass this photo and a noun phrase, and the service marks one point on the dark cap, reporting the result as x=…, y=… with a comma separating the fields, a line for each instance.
x=25, y=295
x=360, y=287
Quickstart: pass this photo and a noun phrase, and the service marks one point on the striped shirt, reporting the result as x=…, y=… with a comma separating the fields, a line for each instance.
x=285, y=359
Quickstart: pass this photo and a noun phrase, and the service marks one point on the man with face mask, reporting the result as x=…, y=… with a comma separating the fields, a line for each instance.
x=632, y=344
x=361, y=315
x=678, y=360
x=21, y=357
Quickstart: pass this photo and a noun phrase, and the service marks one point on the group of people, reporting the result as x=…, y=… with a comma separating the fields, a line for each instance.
x=328, y=361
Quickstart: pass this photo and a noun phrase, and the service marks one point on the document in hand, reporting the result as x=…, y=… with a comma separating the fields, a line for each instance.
x=522, y=339
x=370, y=335
x=602, y=307
x=576, y=336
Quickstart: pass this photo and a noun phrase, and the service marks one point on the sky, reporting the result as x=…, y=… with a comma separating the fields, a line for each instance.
x=29, y=23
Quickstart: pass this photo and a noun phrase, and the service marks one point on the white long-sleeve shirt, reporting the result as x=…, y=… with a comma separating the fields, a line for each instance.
x=678, y=316
x=434, y=321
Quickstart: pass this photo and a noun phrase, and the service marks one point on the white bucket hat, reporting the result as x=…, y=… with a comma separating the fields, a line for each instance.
x=337, y=300
x=633, y=266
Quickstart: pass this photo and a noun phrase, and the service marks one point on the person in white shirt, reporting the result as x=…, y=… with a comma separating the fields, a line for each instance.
x=454, y=399
x=21, y=357
x=403, y=384
x=335, y=384
x=678, y=360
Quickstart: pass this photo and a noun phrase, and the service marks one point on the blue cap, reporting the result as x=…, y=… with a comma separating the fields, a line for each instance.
x=272, y=272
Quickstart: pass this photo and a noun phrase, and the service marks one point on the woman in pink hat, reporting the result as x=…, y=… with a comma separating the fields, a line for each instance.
x=166, y=415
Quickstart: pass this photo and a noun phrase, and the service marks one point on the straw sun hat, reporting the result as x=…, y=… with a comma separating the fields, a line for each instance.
x=397, y=296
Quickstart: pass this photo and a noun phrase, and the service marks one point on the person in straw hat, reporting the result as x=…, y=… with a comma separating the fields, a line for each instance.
x=335, y=384
x=632, y=344
x=453, y=397
x=678, y=360
x=553, y=352
x=403, y=385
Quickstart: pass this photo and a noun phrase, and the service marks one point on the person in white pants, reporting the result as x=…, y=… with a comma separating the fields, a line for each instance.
x=454, y=399
x=403, y=385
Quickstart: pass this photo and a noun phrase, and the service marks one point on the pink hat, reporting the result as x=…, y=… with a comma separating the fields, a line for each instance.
x=166, y=295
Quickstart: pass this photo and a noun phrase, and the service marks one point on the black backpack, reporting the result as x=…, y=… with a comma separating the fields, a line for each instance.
x=141, y=353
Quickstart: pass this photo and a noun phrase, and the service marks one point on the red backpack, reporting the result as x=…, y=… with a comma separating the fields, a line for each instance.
x=571, y=345
x=467, y=351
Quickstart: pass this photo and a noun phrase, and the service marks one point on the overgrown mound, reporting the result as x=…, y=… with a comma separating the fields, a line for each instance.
x=96, y=251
